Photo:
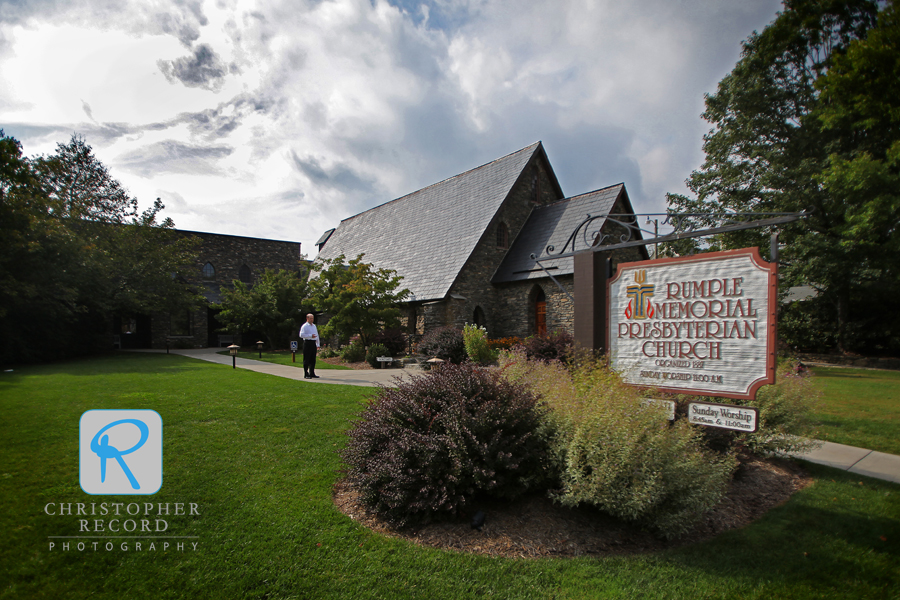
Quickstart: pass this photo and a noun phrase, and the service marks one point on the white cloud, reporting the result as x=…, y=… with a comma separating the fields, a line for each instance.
x=277, y=118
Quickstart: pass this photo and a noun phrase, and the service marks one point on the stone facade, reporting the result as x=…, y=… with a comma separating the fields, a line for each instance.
x=509, y=309
x=473, y=284
x=465, y=246
x=231, y=258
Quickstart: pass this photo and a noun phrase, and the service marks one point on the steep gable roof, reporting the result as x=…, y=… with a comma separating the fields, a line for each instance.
x=428, y=235
x=552, y=225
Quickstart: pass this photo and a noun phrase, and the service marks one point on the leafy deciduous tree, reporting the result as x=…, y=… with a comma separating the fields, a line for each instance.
x=75, y=250
x=804, y=122
x=273, y=305
x=359, y=298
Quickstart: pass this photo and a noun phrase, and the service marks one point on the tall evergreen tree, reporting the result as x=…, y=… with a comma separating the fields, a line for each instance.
x=783, y=140
x=77, y=250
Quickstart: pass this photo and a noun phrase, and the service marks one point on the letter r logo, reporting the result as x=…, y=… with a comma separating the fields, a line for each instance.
x=120, y=452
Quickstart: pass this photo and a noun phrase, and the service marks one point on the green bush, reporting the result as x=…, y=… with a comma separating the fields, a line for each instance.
x=328, y=352
x=611, y=452
x=354, y=352
x=433, y=444
x=786, y=415
x=374, y=351
x=475, y=342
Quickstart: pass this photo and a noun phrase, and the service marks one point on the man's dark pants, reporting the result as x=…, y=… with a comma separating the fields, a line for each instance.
x=309, y=358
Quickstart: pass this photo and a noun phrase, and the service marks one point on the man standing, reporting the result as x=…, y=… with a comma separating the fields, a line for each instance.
x=310, y=336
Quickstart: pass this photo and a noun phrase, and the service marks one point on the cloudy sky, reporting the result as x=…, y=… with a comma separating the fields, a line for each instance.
x=279, y=118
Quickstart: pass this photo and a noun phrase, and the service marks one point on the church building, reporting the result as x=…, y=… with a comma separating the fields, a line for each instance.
x=467, y=247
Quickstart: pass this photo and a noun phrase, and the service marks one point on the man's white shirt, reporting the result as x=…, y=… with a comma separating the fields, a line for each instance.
x=308, y=331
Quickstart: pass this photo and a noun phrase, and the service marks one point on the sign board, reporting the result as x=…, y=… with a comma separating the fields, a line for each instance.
x=702, y=325
x=294, y=346
x=666, y=406
x=725, y=416
x=384, y=359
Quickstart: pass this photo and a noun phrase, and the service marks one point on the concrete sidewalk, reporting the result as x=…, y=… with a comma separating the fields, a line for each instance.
x=855, y=460
x=847, y=458
x=373, y=377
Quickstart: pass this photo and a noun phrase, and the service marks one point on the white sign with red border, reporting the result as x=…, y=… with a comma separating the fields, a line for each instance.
x=702, y=324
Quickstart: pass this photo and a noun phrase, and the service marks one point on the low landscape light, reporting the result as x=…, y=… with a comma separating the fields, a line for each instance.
x=234, y=350
x=259, y=346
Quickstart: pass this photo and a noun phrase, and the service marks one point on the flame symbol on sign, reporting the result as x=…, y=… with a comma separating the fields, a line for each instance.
x=650, y=311
x=628, y=310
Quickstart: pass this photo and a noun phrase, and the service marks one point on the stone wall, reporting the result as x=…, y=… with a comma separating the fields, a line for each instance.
x=227, y=254
x=472, y=288
x=516, y=306
x=509, y=309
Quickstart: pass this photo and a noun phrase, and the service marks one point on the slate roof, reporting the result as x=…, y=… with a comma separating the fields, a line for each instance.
x=324, y=238
x=552, y=225
x=428, y=235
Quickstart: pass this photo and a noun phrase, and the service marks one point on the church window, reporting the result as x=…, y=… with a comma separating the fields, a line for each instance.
x=180, y=323
x=478, y=318
x=502, y=235
x=209, y=271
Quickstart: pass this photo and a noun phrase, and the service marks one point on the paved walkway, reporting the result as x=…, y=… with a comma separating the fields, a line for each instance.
x=848, y=458
x=369, y=377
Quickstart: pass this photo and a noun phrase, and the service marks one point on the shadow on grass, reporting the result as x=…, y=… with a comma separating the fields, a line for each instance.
x=113, y=363
x=803, y=541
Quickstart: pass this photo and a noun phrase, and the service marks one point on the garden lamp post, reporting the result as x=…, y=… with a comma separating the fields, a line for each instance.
x=234, y=350
x=259, y=346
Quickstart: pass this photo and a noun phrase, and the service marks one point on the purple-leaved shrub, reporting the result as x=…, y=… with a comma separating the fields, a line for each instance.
x=431, y=445
x=559, y=345
x=445, y=343
x=392, y=339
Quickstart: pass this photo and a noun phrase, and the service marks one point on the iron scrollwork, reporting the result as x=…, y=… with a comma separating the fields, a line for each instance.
x=627, y=229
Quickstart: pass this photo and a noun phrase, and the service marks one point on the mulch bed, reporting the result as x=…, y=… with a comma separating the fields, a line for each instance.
x=534, y=527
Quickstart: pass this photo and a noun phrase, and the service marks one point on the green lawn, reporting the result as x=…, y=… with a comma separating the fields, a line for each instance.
x=257, y=454
x=285, y=358
x=861, y=407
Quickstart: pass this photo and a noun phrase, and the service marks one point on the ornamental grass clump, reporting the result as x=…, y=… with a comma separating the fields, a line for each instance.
x=610, y=451
x=433, y=444
x=787, y=410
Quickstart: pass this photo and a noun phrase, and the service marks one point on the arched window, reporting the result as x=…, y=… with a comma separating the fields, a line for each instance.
x=209, y=271
x=244, y=274
x=478, y=318
x=502, y=235
x=540, y=313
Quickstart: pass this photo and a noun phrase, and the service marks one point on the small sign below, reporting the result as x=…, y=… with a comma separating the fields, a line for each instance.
x=666, y=406
x=384, y=359
x=724, y=416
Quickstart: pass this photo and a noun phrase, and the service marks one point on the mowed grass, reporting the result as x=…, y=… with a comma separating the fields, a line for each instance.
x=861, y=407
x=257, y=453
x=285, y=358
